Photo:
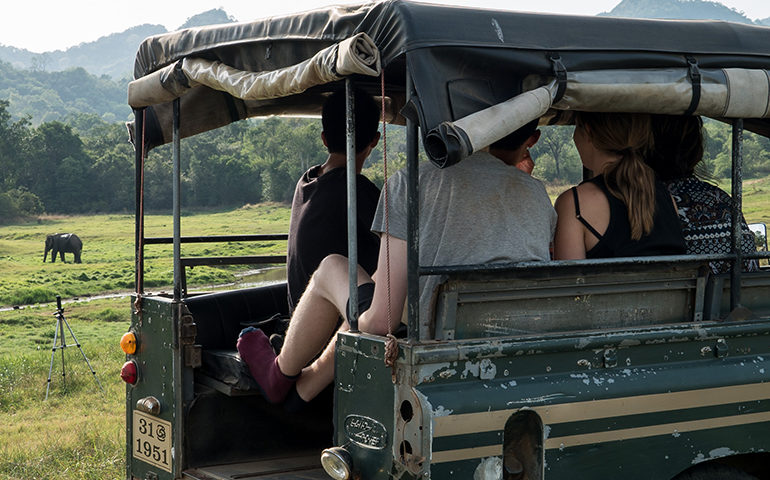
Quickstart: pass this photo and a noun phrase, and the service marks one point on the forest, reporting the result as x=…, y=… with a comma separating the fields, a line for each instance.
x=86, y=165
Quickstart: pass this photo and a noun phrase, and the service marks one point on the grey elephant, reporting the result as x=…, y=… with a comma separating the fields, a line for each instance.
x=63, y=242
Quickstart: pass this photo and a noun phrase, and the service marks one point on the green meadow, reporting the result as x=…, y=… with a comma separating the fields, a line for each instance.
x=78, y=433
x=108, y=252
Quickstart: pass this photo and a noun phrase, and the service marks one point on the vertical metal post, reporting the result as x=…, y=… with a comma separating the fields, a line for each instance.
x=737, y=194
x=412, y=225
x=350, y=130
x=139, y=211
x=177, y=200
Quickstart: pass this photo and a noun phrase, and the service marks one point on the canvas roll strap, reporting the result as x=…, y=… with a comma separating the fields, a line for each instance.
x=694, y=76
x=560, y=74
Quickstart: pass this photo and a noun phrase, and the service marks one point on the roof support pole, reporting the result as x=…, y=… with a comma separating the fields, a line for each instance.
x=139, y=220
x=350, y=130
x=413, y=225
x=177, y=200
x=737, y=194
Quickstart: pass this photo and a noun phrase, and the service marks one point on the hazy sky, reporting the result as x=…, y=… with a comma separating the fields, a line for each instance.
x=44, y=25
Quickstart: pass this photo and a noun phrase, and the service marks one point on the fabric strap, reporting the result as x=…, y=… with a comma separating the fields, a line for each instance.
x=579, y=217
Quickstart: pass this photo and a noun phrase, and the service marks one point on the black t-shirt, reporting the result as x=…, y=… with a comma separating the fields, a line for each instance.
x=666, y=237
x=319, y=225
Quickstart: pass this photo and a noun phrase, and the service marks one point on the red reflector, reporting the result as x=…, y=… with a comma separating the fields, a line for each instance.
x=128, y=372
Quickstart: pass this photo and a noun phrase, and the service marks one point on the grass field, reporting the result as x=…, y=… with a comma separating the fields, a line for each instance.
x=108, y=252
x=78, y=433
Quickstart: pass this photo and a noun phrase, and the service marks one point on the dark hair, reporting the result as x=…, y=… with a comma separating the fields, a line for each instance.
x=333, y=118
x=678, y=145
x=514, y=140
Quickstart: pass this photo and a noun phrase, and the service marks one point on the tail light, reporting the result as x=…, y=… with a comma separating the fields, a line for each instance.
x=129, y=372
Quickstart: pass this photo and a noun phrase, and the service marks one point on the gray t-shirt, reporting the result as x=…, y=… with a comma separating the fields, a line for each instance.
x=477, y=211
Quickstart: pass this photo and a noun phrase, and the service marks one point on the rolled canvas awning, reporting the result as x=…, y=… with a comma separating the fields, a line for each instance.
x=355, y=55
x=460, y=61
x=719, y=93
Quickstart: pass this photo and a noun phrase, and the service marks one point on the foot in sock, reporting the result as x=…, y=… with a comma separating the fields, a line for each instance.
x=255, y=349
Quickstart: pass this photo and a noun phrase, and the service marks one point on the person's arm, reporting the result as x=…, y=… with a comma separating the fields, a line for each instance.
x=568, y=241
x=375, y=320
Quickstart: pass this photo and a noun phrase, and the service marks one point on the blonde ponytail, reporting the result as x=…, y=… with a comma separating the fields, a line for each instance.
x=629, y=179
x=633, y=182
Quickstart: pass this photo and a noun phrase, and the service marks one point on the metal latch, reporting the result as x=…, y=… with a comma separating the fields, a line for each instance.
x=192, y=355
x=722, y=350
x=610, y=358
x=188, y=330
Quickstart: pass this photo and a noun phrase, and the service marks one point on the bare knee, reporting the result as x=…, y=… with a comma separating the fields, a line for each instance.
x=329, y=271
x=332, y=264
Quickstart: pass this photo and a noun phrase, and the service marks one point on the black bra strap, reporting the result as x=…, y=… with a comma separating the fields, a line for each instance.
x=583, y=220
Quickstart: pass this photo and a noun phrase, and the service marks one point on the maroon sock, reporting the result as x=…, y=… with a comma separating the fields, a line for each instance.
x=255, y=349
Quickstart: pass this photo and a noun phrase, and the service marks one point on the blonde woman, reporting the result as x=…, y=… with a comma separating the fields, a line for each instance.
x=622, y=211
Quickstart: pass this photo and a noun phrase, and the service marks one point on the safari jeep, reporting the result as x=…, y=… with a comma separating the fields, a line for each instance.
x=633, y=368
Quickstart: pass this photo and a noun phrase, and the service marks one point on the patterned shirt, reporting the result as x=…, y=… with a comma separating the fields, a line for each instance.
x=704, y=211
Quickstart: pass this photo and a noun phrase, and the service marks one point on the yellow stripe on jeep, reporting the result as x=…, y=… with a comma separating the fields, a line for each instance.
x=608, y=436
x=606, y=408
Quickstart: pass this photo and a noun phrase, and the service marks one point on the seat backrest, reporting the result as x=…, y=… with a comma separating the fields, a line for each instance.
x=569, y=296
x=219, y=316
x=755, y=294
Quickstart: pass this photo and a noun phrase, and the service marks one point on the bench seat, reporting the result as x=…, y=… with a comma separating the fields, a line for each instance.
x=219, y=318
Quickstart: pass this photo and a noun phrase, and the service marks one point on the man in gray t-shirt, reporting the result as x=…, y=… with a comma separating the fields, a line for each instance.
x=475, y=212
x=482, y=210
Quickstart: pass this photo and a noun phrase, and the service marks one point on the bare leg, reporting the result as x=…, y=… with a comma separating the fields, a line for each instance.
x=316, y=376
x=324, y=301
x=313, y=323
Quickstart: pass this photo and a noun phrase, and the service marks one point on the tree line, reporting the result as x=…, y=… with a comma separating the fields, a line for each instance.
x=86, y=165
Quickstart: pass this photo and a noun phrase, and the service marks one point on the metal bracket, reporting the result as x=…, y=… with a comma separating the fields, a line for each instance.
x=722, y=350
x=610, y=358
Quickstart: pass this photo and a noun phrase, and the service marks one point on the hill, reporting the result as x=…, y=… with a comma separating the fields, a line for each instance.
x=679, y=9
x=48, y=96
x=88, y=78
x=111, y=55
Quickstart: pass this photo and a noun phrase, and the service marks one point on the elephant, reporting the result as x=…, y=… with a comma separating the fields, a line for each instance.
x=63, y=242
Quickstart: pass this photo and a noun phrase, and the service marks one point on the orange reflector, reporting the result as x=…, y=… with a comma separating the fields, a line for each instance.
x=129, y=372
x=128, y=343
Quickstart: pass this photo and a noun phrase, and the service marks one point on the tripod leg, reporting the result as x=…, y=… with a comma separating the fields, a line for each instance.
x=83, y=353
x=53, y=353
x=63, y=346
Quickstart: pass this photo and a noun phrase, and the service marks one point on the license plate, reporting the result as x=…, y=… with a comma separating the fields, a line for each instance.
x=152, y=440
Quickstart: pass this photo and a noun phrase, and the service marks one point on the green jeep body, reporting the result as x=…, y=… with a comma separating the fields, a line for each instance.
x=645, y=368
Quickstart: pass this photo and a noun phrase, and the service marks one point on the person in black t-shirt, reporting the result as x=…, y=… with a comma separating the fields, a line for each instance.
x=318, y=225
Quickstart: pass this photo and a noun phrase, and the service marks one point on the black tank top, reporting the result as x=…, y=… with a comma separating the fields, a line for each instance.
x=665, y=238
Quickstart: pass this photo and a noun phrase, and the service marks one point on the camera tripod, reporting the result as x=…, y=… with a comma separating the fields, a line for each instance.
x=58, y=335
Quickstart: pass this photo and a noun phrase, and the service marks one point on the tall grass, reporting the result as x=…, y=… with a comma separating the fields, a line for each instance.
x=109, y=252
x=78, y=433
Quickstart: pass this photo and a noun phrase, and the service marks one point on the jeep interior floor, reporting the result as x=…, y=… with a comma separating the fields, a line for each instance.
x=288, y=468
